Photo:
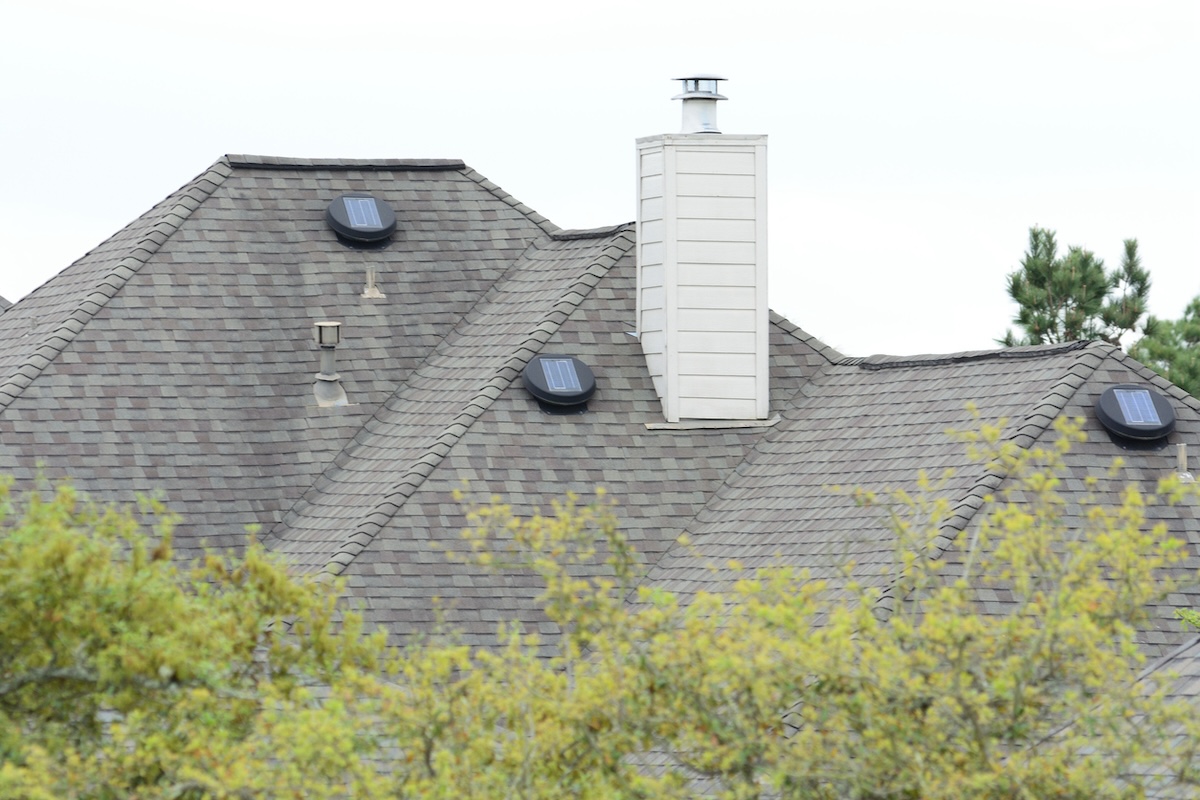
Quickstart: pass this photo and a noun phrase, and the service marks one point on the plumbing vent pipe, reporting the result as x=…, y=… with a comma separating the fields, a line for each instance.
x=370, y=290
x=700, y=98
x=327, y=389
x=1182, y=470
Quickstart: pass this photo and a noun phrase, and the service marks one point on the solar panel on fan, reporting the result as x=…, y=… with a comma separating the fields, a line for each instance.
x=560, y=375
x=362, y=212
x=1137, y=407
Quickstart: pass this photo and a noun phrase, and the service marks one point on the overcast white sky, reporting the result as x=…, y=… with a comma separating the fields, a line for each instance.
x=912, y=144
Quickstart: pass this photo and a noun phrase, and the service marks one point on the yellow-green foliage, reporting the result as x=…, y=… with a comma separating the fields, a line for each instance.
x=122, y=675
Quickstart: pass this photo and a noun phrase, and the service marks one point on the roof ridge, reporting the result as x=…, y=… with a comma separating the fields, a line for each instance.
x=542, y=222
x=285, y=162
x=827, y=352
x=373, y=520
x=190, y=196
x=1036, y=422
x=591, y=233
x=877, y=362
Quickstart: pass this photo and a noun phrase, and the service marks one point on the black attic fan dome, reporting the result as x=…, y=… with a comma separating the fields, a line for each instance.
x=1135, y=416
x=561, y=384
x=361, y=218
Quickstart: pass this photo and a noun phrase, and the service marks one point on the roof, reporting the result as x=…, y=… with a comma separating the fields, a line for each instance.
x=177, y=358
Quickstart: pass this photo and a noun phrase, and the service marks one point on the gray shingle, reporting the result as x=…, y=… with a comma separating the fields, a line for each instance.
x=177, y=356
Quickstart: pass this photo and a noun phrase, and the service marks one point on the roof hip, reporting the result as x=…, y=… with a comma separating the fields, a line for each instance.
x=189, y=199
x=470, y=408
x=1035, y=423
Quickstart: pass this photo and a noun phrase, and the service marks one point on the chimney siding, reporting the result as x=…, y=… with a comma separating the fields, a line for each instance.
x=702, y=273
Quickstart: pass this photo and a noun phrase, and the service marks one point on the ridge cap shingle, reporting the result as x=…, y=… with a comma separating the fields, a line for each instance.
x=882, y=361
x=784, y=324
x=591, y=233
x=250, y=161
x=542, y=222
x=1037, y=421
x=58, y=338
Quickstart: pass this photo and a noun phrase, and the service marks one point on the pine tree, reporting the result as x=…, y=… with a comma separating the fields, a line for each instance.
x=1070, y=297
x=1172, y=348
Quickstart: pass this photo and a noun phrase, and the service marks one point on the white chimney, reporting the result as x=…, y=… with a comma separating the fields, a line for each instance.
x=702, y=264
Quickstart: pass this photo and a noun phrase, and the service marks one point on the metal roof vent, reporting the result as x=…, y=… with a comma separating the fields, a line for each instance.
x=561, y=384
x=1136, y=417
x=327, y=388
x=361, y=219
x=700, y=98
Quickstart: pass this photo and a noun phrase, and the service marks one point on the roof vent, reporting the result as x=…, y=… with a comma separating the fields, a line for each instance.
x=700, y=98
x=1135, y=417
x=561, y=384
x=371, y=291
x=327, y=388
x=361, y=218
x=1181, y=461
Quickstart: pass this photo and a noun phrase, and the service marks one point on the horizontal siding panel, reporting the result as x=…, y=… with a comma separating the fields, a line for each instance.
x=652, y=275
x=709, y=408
x=654, y=319
x=708, y=185
x=652, y=163
x=717, y=274
x=729, y=297
x=652, y=253
x=716, y=342
x=652, y=231
x=725, y=386
x=652, y=208
x=653, y=341
x=656, y=362
x=652, y=298
x=719, y=207
x=652, y=186
x=715, y=162
x=714, y=319
x=653, y=315
x=715, y=252
x=716, y=364
x=715, y=230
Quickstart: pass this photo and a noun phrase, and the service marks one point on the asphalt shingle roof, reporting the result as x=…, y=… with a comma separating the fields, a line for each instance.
x=177, y=357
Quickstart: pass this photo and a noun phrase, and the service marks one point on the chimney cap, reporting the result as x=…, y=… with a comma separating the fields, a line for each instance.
x=699, y=104
x=700, y=85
